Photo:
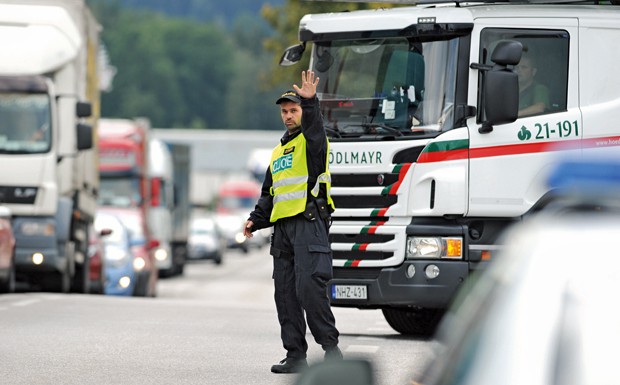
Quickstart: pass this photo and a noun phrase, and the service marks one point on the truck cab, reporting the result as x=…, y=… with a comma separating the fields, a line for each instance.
x=434, y=152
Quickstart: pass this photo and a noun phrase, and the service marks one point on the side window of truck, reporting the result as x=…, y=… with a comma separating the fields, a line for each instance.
x=543, y=69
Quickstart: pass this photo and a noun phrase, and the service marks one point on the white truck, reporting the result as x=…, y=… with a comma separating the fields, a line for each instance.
x=169, y=211
x=432, y=156
x=49, y=103
x=181, y=211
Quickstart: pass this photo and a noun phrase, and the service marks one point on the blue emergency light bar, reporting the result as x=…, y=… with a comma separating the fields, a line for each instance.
x=598, y=176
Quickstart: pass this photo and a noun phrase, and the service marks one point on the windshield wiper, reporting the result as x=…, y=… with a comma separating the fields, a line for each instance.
x=390, y=129
x=16, y=151
x=333, y=130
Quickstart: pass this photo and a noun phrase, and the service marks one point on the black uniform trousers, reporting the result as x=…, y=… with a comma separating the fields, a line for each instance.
x=302, y=267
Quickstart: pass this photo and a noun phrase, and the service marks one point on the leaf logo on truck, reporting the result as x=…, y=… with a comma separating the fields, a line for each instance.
x=524, y=134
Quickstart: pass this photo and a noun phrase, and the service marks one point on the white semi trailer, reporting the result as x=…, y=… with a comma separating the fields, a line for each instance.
x=49, y=104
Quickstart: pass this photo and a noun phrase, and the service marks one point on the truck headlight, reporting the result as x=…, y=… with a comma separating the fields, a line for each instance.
x=38, y=228
x=434, y=247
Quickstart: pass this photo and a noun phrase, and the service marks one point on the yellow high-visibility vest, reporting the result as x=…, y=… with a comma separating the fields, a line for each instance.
x=289, y=172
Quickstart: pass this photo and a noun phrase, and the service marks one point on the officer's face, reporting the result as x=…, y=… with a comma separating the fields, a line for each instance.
x=291, y=114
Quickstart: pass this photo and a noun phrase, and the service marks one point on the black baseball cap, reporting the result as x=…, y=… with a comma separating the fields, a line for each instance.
x=289, y=95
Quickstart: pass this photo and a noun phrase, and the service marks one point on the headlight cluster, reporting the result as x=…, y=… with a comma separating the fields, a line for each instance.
x=38, y=228
x=434, y=247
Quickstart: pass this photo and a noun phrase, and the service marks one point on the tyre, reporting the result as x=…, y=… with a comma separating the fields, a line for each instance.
x=8, y=285
x=141, y=288
x=218, y=259
x=58, y=282
x=81, y=281
x=413, y=321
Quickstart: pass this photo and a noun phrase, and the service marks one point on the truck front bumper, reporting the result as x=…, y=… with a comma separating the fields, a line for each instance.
x=38, y=254
x=392, y=287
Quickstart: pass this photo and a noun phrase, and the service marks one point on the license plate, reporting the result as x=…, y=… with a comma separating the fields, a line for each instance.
x=349, y=292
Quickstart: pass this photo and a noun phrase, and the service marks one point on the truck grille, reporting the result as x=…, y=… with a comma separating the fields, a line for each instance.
x=18, y=195
x=359, y=232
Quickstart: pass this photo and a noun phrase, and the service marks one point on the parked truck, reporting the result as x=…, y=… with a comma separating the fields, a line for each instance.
x=123, y=160
x=432, y=155
x=181, y=211
x=169, y=212
x=49, y=104
x=125, y=191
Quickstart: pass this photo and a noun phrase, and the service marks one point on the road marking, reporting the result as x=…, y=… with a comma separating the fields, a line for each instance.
x=362, y=349
x=370, y=338
x=26, y=302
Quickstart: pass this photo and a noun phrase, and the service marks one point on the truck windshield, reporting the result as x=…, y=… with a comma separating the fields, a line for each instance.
x=393, y=86
x=24, y=123
x=119, y=192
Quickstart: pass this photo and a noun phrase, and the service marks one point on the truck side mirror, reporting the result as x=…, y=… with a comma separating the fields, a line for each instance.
x=292, y=54
x=84, y=136
x=501, y=96
x=500, y=89
x=83, y=109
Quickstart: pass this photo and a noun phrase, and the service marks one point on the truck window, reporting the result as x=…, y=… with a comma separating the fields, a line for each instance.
x=543, y=69
x=402, y=85
x=24, y=123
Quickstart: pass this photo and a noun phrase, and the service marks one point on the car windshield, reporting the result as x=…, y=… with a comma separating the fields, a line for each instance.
x=24, y=123
x=237, y=202
x=109, y=222
x=203, y=227
x=135, y=226
x=393, y=86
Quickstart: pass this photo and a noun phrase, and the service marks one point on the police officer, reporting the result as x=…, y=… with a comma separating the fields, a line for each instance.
x=295, y=200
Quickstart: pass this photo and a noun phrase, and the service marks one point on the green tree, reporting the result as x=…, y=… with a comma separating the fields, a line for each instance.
x=250, y=100
x=173, y=71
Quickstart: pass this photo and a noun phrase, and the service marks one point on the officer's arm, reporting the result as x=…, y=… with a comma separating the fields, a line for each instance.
x=262, y=211
x=311, y=119
x=312, y=126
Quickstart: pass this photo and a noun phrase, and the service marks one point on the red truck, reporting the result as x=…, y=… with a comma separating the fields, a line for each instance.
x=124, y=184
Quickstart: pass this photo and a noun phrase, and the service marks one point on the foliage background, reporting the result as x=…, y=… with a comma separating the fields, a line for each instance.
x=202, y=63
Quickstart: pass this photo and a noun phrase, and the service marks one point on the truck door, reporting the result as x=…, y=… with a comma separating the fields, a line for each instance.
x=508, y=166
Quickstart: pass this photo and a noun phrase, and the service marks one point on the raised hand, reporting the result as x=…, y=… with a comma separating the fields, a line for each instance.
x=308, y=85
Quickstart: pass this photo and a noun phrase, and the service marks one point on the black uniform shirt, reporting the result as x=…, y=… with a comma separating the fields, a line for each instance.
x=316, y=152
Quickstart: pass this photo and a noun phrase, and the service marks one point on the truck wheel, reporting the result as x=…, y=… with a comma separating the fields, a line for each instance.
x=59, y=282
x=218, y=259
x=413, y=321
x=141, y=288
x=8, y=285
x=81, y=280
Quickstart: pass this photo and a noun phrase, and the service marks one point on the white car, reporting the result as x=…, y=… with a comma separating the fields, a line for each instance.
x=205, y=240
x=546, y=310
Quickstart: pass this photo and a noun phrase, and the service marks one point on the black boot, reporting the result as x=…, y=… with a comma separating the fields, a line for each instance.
x=333, y=354
x=290, y=365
